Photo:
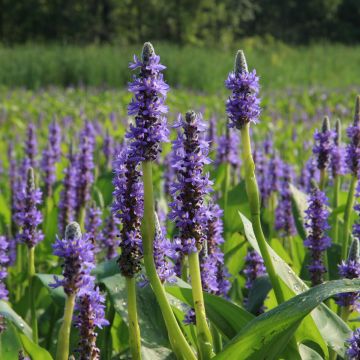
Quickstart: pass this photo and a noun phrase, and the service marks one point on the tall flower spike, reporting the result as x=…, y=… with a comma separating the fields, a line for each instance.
x=188, y=192
x=148, y=106
x=108, y=149
x=90, y=314
x=324, y=142
x=29, y=218
x=55, y=139
x=243, y=105
x=337, y=154
x=317, y=241
x=353, y=148
x=110, y=236
x=4, y=263
x=353, y=351
x=228, y=149
x=93, y=222
x=350, y=269
x=128, y=207
x=67, y=202
x=78, y=256
x=30, y=147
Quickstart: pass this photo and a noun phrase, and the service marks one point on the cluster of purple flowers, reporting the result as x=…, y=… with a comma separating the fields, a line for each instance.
x=110, y=236
x=353, y=351
x=309, y=173
x=243, y=105
x=228, y=150
x=4, y=262
x=317, y=241
x=188, y=209
x=148, y=106
x=28, y=218
x=337, y=161
x=31, y=147
x=108, y=149
x=262, y=175
x=93, y=221
x=254, y=268
x=128, y=207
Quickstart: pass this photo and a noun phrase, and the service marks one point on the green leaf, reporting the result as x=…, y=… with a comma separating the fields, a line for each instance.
x=332, y=328
x=235, y=248
x=260, y=338
x=258, y=293
x=229, y=318
x=106, y=269
x=57, y=294
x=154, y=338
x=9, y=343
x=36, y=352
x=15, y=319
x=299, y=205
x=307, y=353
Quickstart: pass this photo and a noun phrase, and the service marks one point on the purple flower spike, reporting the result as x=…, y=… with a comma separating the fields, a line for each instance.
x=108, y=149
x=148, y=106
x=188, y=209
x=228, y=149
x=317, y=241
x=93, y=223
x=243, y=105
x=261, y=167
x=90, y=314
x=309, y=173
x=337, y=161
x=254, y=268
x=128, y=207
x=4, y=263
x=31, y=147
x=77, y=252
x=350, y=269
x=353, y=148
x=67, y=202
x=85, y=165
x=324, y=143
x=284, y=220
x=55, y=139
x=110, y=236
x=275, y=173
x=29, y=218
x=353, y=351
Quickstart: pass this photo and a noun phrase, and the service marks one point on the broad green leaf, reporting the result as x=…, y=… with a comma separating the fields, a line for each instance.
x=235, y=248
x=228, y=317
x=35, y=352
x=9, y=343
x=15, y=319
x=267, y=335
x=331, y=327
x=105, y=269
x=307, y=353
x=57, y=294
x=258, y=294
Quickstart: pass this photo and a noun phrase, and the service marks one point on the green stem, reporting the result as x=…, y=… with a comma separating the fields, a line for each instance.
x=177, y=340
x=203, y=331
x=18, y=270
x=31, y=273
x=62, y=351
x=82, y=218
x=322, y=179
x=347, y=215
x=254, y=203
x=134, y=330
x=335, y=235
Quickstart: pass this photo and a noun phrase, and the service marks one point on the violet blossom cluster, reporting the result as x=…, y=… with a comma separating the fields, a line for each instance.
x=108, y=149
x=110, y=236
x=353, y=350
x=68, y=200
x=93, y=221
x=228, y=150
x=337, y=161
x=261, y=168
x=191, y=186
x=4, y=263
x=29, y=217
x=243, y=105
x=148, y=106
x=324, y=143
x=77, y=253
x=284, y=220
x=31, y=147
x=309, y=173
x=317, y=240
x=128, y=207
x=353, y=148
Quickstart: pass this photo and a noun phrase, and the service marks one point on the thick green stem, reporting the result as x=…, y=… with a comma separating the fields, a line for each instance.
x=203, y=331
x=254, y=203
x=335, y=232
x=31, y=273
x=177, y=340
x=134, y=330
x=347, y=216
x=62, y=351
x=322, y=179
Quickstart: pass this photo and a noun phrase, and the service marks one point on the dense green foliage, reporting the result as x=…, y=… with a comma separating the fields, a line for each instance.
x=279, y=66
x=180, y=21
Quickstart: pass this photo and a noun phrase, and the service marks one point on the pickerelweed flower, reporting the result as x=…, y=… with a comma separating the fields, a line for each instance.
x=48, y=169
x=254, y=268
x=67, y=203
x=324, y=143
x=85, y=166
x=128, y=207
x=308, y=174
x=284, y=220
x=337, y=161
x=212, y=136
x=93, y=223
x=169, y=171
x=261, y=167
x=353, y=148
x=31, y=147
x=111, y=236
x=228, y=149
x=353, y=351
x=55, y=139
x=77, y=252
x=317, y=241
x=243, y=105
x=275, y=173
x=4, y=263
x=350, y=269
x=29, y=218
x=108, y=149
x=90, y=314
x=148, y=106
x=192, y=185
